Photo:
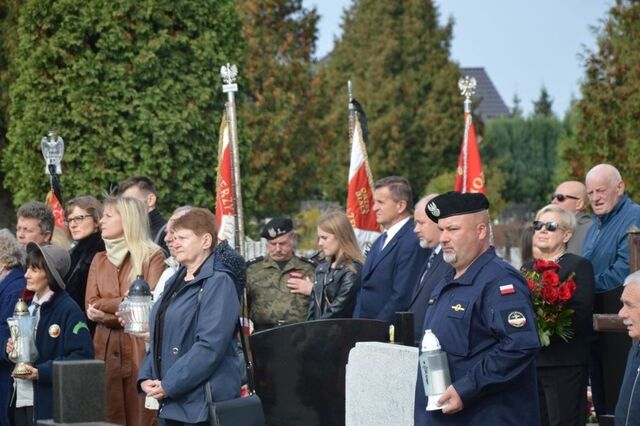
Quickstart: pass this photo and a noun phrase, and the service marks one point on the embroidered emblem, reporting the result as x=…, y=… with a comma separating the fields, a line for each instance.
x=54, y=330
x=457, y=307
x=433, y=209
x=516, y=319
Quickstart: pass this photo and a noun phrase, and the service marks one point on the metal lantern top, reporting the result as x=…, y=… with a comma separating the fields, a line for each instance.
x=52, y=147
x=21, y=308
x=139, y=287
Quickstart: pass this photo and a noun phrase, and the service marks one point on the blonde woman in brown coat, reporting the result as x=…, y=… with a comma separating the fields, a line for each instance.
x=129, y=252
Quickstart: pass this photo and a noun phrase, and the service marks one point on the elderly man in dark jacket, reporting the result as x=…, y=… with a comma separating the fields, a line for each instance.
x=628, y=406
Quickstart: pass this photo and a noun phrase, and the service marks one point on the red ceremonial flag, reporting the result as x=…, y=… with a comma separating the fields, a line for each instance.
x=55, y=206
x=225, y=206
x=360, y=195
x=469, y=177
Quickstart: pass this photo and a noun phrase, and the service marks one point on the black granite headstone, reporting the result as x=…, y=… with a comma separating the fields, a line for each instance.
x=300, y=368
x=78, y=391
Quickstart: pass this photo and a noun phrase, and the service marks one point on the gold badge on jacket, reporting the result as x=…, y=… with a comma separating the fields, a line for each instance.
x=54, y=330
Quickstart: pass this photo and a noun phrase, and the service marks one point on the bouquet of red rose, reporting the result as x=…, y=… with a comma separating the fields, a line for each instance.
x=549, y=299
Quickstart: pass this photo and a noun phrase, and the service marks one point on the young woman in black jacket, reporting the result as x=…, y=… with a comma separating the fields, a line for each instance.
x=337, y=278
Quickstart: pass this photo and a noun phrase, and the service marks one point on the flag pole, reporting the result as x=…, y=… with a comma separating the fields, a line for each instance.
x=229, y=73
x=467, y=86
x=351, y=109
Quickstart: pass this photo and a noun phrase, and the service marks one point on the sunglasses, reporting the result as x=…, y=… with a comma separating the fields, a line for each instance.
x=549, y=226
x=562, y=197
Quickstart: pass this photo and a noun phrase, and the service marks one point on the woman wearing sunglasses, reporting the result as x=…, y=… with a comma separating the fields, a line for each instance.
x=562, y=366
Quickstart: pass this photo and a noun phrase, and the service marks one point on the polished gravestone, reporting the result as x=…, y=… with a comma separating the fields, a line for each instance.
x=78, y=394
x=300, y=368
x=381, y=381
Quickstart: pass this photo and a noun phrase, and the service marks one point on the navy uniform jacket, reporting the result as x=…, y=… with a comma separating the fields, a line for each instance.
x=491, y=344
x=389, y=278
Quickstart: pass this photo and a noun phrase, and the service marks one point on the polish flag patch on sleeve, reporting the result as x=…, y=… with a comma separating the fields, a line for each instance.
x=507, y=289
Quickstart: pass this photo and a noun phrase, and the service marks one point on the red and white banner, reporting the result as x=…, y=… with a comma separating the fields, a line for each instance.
x=469, y=177
x=360, y=196
x=225, y=206
x=55, y=206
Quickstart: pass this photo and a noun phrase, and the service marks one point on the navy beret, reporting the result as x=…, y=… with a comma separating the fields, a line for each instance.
x=276, y=227
x=455, y=203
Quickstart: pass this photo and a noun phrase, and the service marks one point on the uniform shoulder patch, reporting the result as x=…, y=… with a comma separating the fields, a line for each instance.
x=515, y=320
x=79, y=326
x=255, y=260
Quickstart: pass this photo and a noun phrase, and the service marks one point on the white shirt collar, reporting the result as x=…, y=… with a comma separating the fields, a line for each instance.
x=394, y=229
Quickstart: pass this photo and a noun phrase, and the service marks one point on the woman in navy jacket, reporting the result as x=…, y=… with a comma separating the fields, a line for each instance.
x=192, y=350
x=61, y=329
x=11, y=287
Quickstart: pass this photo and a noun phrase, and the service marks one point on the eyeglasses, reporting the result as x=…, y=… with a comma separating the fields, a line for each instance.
x=549, y=226
x=77, y=219
x=562, y=197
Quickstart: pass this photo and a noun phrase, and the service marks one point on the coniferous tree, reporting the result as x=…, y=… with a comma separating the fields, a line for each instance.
x=397, y=56
x=280, y=113
x=525, y=150
x=8, y=39
x=133, y=87
x=516, y=110
x=543, y=106
x=608, y=131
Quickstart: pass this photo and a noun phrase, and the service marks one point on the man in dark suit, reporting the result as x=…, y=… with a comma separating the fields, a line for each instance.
x=432, y=270
x=392, y=265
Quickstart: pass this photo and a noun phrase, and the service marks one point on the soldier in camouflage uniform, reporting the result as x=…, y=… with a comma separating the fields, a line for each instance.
x=272, y=301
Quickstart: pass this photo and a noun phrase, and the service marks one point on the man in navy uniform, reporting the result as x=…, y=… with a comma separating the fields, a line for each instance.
x=483, y=316
x=391, y=269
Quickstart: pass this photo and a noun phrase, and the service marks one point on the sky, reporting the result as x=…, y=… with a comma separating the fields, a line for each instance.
x=523, y=44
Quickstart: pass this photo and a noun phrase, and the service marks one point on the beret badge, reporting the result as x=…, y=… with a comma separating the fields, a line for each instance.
x=433, y=209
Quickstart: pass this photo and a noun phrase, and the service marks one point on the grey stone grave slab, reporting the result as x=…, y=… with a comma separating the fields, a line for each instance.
x=380, y=384
x=78, y=392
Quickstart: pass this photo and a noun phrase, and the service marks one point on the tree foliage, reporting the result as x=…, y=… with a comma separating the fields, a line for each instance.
x=9, y=10
x=516, y=110
x=543, y=106
x=609, y=110
x=133, y=87
x=525, y=150
x=397, y=56
x=280, y=113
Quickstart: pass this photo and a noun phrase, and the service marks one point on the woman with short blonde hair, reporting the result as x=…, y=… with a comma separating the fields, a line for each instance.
x=562, y=365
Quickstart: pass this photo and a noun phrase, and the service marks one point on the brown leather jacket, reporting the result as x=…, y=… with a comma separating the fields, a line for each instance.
x=121, y=352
